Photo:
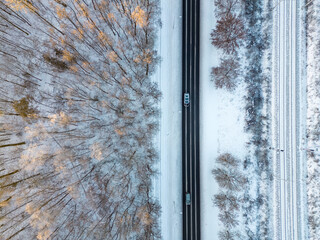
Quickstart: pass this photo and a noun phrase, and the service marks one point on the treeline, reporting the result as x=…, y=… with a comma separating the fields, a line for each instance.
x=228, y=36
x=231, y=183
x=78, y=115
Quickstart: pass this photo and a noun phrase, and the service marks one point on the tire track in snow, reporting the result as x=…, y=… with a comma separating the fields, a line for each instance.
x=288, y=211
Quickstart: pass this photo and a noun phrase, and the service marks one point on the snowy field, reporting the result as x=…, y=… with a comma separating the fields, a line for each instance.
x=221, y=123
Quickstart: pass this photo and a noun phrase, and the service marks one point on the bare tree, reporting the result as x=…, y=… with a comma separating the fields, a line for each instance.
x=225, y=75
x=228, y=234
x=227, y=160
x=228, y=33
x=225, y=7
x=226, y=201
x=230, y=179
x=228, y=219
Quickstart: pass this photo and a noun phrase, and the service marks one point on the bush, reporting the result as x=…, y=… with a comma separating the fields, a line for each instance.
x=227, y=159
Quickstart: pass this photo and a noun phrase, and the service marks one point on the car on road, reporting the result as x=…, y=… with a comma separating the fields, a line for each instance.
x=188, y=199
x=186, y=99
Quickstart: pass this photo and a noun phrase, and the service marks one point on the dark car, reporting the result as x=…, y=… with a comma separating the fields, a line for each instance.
x=188, y=199
x=186, y=99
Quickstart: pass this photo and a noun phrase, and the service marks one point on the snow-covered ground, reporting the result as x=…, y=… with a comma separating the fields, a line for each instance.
x=169, y=77
x=221, y=123
x=289, y=121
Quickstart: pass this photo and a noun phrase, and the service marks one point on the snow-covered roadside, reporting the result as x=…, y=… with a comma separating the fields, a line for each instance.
x=303, y=125
x=221, y=123
x=168, y=75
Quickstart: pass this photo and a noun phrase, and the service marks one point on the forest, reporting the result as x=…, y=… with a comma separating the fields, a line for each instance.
x=78, y=114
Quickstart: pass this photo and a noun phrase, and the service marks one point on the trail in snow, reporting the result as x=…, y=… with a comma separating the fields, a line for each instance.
x=289, y=188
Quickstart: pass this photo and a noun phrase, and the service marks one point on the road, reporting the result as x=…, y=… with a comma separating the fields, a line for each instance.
x=190, y=119
x=288, y=184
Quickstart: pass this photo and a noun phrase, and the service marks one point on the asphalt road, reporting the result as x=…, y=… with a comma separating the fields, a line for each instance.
x=190, y=119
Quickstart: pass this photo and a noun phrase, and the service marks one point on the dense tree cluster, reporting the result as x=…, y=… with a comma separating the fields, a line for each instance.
x=231, y=182
x=78, y=116
x=228, y=36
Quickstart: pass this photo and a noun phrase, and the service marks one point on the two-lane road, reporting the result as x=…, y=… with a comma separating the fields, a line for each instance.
x=190, y=120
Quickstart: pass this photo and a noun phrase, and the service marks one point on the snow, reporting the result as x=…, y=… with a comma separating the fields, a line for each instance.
x=289, y=105
x=313, y=117
x=221, y=123
x=169, y=77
